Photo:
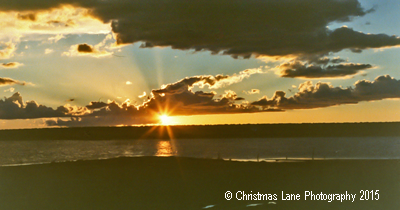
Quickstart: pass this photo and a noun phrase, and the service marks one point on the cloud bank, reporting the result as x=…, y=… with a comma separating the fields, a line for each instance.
x=320, y=95
x=173, y=99
x=179, y=99
x=14, y=108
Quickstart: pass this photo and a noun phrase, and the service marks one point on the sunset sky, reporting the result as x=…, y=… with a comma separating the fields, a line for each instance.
x=128, y=62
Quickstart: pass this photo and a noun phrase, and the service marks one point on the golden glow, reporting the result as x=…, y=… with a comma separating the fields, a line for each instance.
x=354, y=113
x=62, y=20
x=166, y=120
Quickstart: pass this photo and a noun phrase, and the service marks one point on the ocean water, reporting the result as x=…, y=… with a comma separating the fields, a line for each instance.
x=45, y=151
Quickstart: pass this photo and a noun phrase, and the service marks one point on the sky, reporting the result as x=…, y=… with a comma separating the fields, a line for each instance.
x=137, y=62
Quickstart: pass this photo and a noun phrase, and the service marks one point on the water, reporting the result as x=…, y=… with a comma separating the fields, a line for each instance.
x=45, y=151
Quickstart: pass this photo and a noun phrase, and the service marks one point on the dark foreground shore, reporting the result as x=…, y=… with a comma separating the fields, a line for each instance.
x=187, y=183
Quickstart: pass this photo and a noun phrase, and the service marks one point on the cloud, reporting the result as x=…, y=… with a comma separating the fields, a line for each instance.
x=8, y=49
x=48, y=51
x=14, y=108
x=9, y=81
x=11, y=89
x=185, y=103
x=171, y=99
x=27, y=16
x=143, y=95
x=11, y=65
x=179, y=98
x=298, y=69
x=213, y=82
x=58, y=20
x=252, y=91
x=320, y=60
x=347, y=38
x=56, y=38
x=239, y=28
x=311, y=96
x=110, y=113
x=86, y=50
x=96, y=105
x=102, y=49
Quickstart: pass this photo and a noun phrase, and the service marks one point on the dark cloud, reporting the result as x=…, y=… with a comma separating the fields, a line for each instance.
x=298, y=69
x=324, y=95
x=15, y=108
x=344, y=38
x=109, y=114
x=27, y=16
x=85, y=48
x=171, y=103
x=88, y=50
x=237, y=28
x=96, y=105
x=242, y=28
x=11, y=64
x=179, y=99
x=115, y=109
x=188, y=83
x=8, y=81
x=217, y=81
x=57, y=23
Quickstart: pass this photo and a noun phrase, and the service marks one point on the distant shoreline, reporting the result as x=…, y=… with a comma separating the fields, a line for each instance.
x=377, y=129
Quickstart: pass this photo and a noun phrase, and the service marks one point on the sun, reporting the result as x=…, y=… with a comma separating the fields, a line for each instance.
x=165, y=119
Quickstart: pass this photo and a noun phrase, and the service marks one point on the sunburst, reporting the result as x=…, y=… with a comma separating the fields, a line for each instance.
x=165, y=119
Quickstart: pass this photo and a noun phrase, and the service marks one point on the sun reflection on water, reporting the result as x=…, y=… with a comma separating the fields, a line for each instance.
x=164, y=149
